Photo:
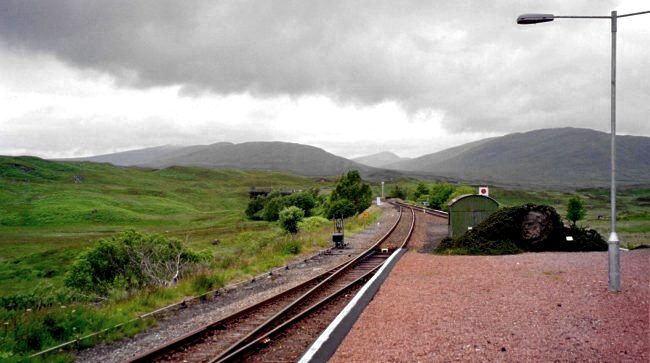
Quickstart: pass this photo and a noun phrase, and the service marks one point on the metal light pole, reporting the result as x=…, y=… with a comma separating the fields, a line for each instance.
x=613, y=241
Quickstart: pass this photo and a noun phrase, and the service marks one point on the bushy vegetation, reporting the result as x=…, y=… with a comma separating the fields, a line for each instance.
x=255, y=207
x=350, y=187
x=50, y=213
x=503, y=232
x=350, y=196
x=130, y=261
x=268, y=207
x=341, y=208
x=420, y=190
x=289, y=218
x=272, y=207
x=437, y=195
x=398, y=192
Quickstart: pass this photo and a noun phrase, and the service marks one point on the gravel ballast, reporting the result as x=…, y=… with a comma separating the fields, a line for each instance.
x=528, y=307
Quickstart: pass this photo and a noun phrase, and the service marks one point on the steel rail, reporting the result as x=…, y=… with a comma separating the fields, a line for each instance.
x=201, y=332
x=260, y=340
x=434, y=212
x=198, y=333
x=246, y=339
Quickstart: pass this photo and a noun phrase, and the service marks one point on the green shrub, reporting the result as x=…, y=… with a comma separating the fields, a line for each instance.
x=289, y=218
x=397, y=192
x=40, y=297
x=302, y=200
x=131, y=260
x=439, y=194
x=350, y=187
x=272, y=208
x=341, y=208
x=255, y=207
x=420, y=190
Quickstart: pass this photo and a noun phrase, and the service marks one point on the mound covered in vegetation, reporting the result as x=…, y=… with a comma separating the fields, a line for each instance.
x=528, y=227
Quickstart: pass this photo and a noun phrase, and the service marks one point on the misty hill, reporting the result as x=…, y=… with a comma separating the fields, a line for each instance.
x=142, y=157
x=281, y=156
x=547, y=157
x=380, y=160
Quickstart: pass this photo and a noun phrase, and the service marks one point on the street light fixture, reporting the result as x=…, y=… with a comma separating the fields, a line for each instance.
x=613, y=241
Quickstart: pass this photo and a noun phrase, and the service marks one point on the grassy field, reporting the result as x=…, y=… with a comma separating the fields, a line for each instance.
x=51, y=211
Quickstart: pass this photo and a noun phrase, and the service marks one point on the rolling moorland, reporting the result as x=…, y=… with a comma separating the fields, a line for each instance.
x=49, y=211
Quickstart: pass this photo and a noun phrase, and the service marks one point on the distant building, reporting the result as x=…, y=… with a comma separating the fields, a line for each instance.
x=254, y=193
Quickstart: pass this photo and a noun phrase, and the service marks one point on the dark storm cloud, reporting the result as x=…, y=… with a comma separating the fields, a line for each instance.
x=467, y=59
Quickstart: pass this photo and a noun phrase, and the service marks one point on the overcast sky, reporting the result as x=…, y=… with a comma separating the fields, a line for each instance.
x=353, y=77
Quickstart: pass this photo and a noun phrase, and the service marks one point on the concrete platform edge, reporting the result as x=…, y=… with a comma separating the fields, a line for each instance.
x=327, y=343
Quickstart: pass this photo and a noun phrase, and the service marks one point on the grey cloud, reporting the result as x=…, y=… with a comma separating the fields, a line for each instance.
x=466, y=58
x=82, y=136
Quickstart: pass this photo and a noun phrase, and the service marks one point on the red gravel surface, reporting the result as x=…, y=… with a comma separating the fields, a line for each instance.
x=532, y=307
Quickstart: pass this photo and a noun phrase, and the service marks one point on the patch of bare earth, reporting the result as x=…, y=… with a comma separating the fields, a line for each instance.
x=532, y=307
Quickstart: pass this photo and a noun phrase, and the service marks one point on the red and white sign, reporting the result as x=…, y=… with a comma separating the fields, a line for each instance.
x=484, y=191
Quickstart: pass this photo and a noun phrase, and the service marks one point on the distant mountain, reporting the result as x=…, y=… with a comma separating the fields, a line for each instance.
x=281, y=156
x=547, y=157
x=380, y=160
x=565, y=157
x=143, y=157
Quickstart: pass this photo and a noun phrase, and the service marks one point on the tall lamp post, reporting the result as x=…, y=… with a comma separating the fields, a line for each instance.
x=612, y=241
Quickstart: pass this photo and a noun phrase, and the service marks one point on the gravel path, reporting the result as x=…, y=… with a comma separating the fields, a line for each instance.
x=532, y=307
x=180, y=322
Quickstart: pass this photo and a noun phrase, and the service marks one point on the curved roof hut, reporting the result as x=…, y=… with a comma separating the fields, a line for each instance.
x=469, y=210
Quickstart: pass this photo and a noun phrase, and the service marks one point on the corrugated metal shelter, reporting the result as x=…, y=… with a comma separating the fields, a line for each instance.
x=469, y=210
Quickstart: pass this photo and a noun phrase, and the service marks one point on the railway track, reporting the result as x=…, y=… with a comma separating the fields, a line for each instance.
x=433, y=212
x=282, y=327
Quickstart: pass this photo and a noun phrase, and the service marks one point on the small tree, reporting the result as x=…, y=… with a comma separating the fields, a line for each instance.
x=289, y=218
x=439, y=194
x=420, y=190
x=341, y=208
x=302, y=200
x=575, y=210
x=352, y=188
x=397, y=192
x=272, y=208
x=255, y=207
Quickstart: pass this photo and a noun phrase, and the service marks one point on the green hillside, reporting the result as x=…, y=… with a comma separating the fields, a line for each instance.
x=49, y=211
